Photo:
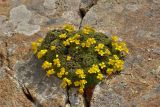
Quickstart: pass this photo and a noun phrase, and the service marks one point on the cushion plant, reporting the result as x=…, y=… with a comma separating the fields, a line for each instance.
x=80, y=58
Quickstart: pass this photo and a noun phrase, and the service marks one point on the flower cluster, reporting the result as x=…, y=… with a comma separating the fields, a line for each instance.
x=120, y=46
x=80, y=58
x=74, y=39
x=89, y=42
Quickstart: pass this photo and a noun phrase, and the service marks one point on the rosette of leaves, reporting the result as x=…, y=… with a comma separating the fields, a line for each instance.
x=81, y=58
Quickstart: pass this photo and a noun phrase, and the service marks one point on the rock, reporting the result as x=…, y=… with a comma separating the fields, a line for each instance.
x=156, y=50
x=68, y=105
x=20, y=14
x=85, y=5
x=76, y=99
x=156, y=1
x=11, y=95
x=2, y=72
x=71, y=17
x=11, y=50
x=107, y=98
x=2, y=19
x=27, y=29
x=38, y=19
x=7, y=28
x=15, y=3
x=132, y=7
x=47, y=91
x=136, y=23
x=149, y=99
x=49, y=4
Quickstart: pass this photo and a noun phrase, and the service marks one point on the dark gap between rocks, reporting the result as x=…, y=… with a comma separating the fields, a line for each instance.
x=25, y=90
x=29, y=96
x=83, y=11
x=88, y=92
x=1, y=60
x=7, y=57
x=68, y=101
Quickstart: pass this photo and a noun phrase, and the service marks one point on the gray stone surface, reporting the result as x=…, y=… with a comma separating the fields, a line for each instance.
x=20, y=14
x=135, y=21
x=46, y=90
x=105, y=97
x=76, y=99
x=49, y=4
x=27, y=29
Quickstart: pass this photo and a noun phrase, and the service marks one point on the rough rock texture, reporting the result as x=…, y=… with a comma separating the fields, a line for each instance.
x=27, y=29
x=11, y=95
x=76, y=99
x=135, y=21
x=20, y=14
x=46, y=90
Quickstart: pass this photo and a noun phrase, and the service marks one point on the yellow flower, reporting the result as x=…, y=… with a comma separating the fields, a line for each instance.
x=68, y=81
x=126, y=50
x=122, y=44
x=71, y=39
x=62, y=72
x=82, y=82
x=63, y=36
x=46, y=65
x=101, y=52
x=77, y=42
x=66, y=43
x=94, y=69
x=69, y=28
x=57, y=62
x=100, y=76
x=81, y=91
x=102, y=65
x=76, y=83
x=119, y=65
x=111, y=62
x=108, y=52
x=68, y=58
x=83, y=45
x=115, y=57
x=109, y=71
x=56, y=55
x=65, y=82
x=99, y=47
x=40, y=40
x=41, y=53
x=76, y=36
x=50, y=72
x=35, y=46
x=80, y=73
x=114, y=38
x=59, y=75
x=53, y=48
x=120, y=47
x=87, y=30
x=90, y=41
x=124, y=47
x=66, y=73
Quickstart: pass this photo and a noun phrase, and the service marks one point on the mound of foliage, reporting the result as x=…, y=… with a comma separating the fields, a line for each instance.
x=80, y=58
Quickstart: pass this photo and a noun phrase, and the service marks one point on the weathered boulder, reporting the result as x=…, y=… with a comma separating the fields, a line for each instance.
x=47, y=91
x=137, y=23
